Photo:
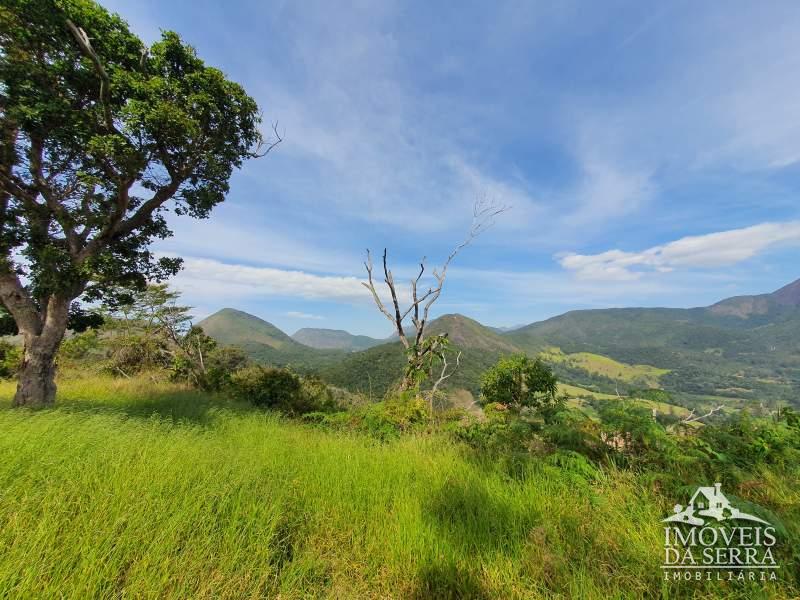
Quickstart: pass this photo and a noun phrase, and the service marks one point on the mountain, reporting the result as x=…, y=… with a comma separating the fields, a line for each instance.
x=788, y=297
x=506, y=329
x=745, y=347
x=236, y=327
x=331, y=339
x=374, y=370
x=741, y=349
x=264, y=342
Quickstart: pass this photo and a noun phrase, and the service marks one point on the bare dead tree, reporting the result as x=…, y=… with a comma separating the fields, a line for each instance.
x=444, y=375
x=483, y=217
x=691, y=416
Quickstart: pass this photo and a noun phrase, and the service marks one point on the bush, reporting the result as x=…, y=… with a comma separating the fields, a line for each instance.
x=268, y=387
x=518, y=382
x=219, y=364
x=394, y=416
x=280, y=389
x=10, y=359
x=80, y=345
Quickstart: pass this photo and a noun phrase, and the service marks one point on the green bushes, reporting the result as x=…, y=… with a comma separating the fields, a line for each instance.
x=280, y=389
x=10, y=359
x=519, y=382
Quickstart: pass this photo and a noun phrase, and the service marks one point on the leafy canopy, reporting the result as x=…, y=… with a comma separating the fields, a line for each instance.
x=519, y=382
x=100, y=136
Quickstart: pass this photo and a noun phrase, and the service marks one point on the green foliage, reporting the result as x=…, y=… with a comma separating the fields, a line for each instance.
x=518, y=382
x=108, y=131
x=634, y=435
x=267, y=387
x=10, y=359
x=499, y=434
x=78, y=320
x=280, y=389
x=195, y=360
x=745, y=443
x=80, y=346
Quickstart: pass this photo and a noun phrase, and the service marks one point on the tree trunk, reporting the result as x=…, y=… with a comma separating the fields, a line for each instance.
x=36, y=381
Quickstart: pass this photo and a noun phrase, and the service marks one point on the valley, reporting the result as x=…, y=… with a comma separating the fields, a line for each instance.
x=736, y=351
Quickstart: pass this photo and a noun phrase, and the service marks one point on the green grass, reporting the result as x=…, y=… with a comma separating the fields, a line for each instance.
x=141, y=489
x=597, y=364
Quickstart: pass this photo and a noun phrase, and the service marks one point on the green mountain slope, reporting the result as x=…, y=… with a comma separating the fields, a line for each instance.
x=745, y=347
x=376, y=369
x=264, y=342
x=334, y=339
x=235, y=327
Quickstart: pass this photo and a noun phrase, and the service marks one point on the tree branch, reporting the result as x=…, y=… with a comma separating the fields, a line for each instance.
x=105, y=83
x=690, y=418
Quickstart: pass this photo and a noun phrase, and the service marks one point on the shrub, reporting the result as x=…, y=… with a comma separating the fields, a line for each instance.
x=517, y=382
x=214, y=372
x=318, y=395
x=10, y=359
x=80, y=345
x=281, y=389
x=269, y=387
x=394, y=416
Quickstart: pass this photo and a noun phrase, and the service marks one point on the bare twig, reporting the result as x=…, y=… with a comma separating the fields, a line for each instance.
x=690, y=418
x=483, y=216
x=270, y=144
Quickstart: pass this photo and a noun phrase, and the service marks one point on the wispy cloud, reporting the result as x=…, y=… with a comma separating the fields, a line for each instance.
x=301, y=315
x=719, y=249
x=208, y=277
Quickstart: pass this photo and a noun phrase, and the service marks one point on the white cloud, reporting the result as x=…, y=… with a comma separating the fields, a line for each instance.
x=723, y=248
x=301, y=315
x=207, y=277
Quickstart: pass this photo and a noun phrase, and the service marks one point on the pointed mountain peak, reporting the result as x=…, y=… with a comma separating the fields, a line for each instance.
x=788, y=295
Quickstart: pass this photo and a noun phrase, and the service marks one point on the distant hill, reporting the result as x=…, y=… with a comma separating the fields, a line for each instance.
x=744, y=347
x=788, y=297
x=264, y=342
x=235, y=327
x=376, y=369
x=334, y=339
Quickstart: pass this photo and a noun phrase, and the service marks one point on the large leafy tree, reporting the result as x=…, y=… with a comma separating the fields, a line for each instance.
x=100, y=137
x=519, y=382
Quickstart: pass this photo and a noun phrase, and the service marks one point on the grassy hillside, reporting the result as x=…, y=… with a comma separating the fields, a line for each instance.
x=706, y=355
x=264, y=342
x=128, y=488
x=376, y=369
x=596, y=364
x=236, y=327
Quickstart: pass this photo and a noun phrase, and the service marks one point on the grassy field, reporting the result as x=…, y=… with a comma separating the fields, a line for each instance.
x=140, y=489
x=643, y=375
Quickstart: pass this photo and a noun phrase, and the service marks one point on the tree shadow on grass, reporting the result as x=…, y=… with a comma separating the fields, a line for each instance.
x=189, y=407
x=447, y=581
x=478, y=522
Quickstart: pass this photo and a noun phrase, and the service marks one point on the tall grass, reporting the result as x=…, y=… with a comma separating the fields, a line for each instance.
x=140, y=489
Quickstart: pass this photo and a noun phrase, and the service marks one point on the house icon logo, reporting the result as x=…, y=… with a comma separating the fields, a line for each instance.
x=709, y=503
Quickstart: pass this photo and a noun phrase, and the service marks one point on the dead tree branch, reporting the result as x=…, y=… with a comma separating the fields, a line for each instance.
x=483, y=217
x=690, y=418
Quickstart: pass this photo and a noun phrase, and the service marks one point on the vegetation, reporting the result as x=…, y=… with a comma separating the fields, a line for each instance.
x=518, y=382
x=99, y=134
x=195, y=495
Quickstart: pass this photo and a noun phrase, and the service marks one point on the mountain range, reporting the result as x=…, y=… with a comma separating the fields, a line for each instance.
x=334, y=339
x=745, y=348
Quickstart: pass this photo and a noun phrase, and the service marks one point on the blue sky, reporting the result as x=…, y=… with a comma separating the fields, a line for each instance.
x=650, y=152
